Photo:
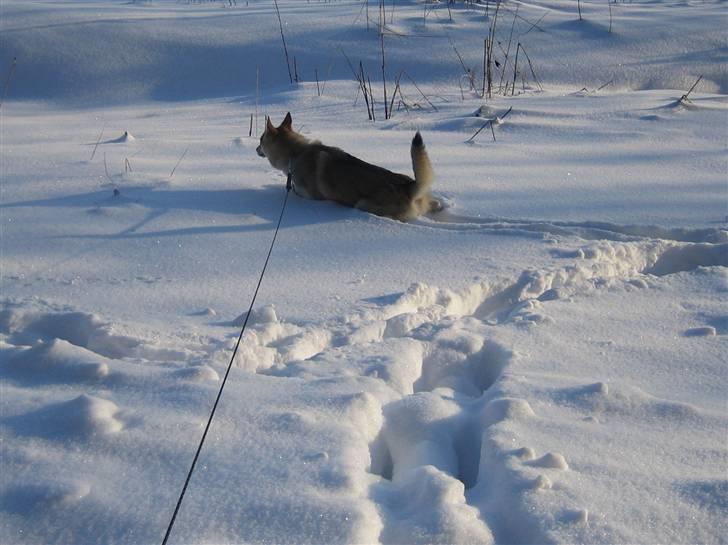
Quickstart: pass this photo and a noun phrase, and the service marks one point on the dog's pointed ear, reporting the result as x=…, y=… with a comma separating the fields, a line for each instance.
x=269, y=125
x=287, y=122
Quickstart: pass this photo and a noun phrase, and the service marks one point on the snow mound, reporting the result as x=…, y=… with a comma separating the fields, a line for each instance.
x=32, y=497
x=82, y=417
x=125, y=138
x=83, y=336
x=56, y=361
x=550, y=460
x=197, y=373
x=258, y=316
x=77, y=328
x=501, y=409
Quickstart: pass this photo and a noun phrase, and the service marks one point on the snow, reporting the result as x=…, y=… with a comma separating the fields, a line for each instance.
x=541, y=362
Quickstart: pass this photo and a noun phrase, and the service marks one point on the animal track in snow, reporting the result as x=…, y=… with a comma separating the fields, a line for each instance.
x=689, y=257
x=587, y=230
x=430, y=348
x=429, y=506
x=656, y=258
x=432, y=412
x=441, y=432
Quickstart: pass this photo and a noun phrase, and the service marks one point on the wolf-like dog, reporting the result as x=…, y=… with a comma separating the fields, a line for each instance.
x=325, y=172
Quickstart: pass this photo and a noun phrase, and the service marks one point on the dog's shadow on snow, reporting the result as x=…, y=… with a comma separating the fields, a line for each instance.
x=258, y=209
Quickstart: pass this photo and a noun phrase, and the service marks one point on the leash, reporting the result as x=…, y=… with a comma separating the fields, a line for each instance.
x=289, y=185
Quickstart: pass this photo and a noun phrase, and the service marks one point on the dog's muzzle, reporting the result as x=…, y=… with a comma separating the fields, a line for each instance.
x=259, y=151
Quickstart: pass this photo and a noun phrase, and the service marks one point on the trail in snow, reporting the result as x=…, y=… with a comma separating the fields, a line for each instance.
x=588, y=230
x=441, y=468
x=271, y=343
x=429, y=390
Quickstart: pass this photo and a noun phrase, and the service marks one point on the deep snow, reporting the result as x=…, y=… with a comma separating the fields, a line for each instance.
x=542, y=362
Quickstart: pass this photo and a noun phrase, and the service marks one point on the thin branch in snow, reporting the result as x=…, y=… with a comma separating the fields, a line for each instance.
x=489, y=123
x=7, y=80
x=179, y=161
x=98, y=141
x=685, y=98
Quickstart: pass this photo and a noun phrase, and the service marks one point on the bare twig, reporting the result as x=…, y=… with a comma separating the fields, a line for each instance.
x=371, y=95
x=98, y=141
x=491, y=42
x=257, y=96
x=515, y=70
x=363, y=83
x=489, y=122
x=530, y=65
x=485, y=66
x=361, y=79
x=394, y=94
x=588, y=91
x=508, y=48
x=468, y=71
x=348, y=61
x=685, y=98
x=533, y=25
x=384, y=75
x=283, y=38
x=179, y=161
x=603, y=86
x=609, y=3
x=7, y=80
x=328, y=75
x=420, y=91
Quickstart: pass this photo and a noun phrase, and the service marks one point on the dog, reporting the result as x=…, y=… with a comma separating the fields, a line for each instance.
x=328, y=173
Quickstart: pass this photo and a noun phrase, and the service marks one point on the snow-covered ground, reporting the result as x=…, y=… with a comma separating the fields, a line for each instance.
x=542, y=362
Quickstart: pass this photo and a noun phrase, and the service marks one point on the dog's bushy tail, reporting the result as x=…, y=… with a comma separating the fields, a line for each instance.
x=421, y=166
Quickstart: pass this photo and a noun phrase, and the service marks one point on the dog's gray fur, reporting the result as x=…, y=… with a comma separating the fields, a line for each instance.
x=326, y=172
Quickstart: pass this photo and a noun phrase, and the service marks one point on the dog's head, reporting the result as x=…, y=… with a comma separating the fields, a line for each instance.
x=272, y=141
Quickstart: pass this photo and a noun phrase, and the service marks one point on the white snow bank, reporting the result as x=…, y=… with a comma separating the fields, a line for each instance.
x=173, y=51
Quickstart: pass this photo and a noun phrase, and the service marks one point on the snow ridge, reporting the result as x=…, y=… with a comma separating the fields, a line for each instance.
x=446, y=474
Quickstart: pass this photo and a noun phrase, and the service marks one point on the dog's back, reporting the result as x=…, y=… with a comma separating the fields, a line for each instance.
x=341, y=177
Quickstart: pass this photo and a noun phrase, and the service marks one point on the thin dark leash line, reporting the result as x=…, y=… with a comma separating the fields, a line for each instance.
x=230, y=365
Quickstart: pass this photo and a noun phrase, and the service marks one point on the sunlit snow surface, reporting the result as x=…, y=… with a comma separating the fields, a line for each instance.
x=541, y=362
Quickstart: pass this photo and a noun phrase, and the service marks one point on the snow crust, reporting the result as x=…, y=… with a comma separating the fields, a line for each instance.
x=541, y=362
